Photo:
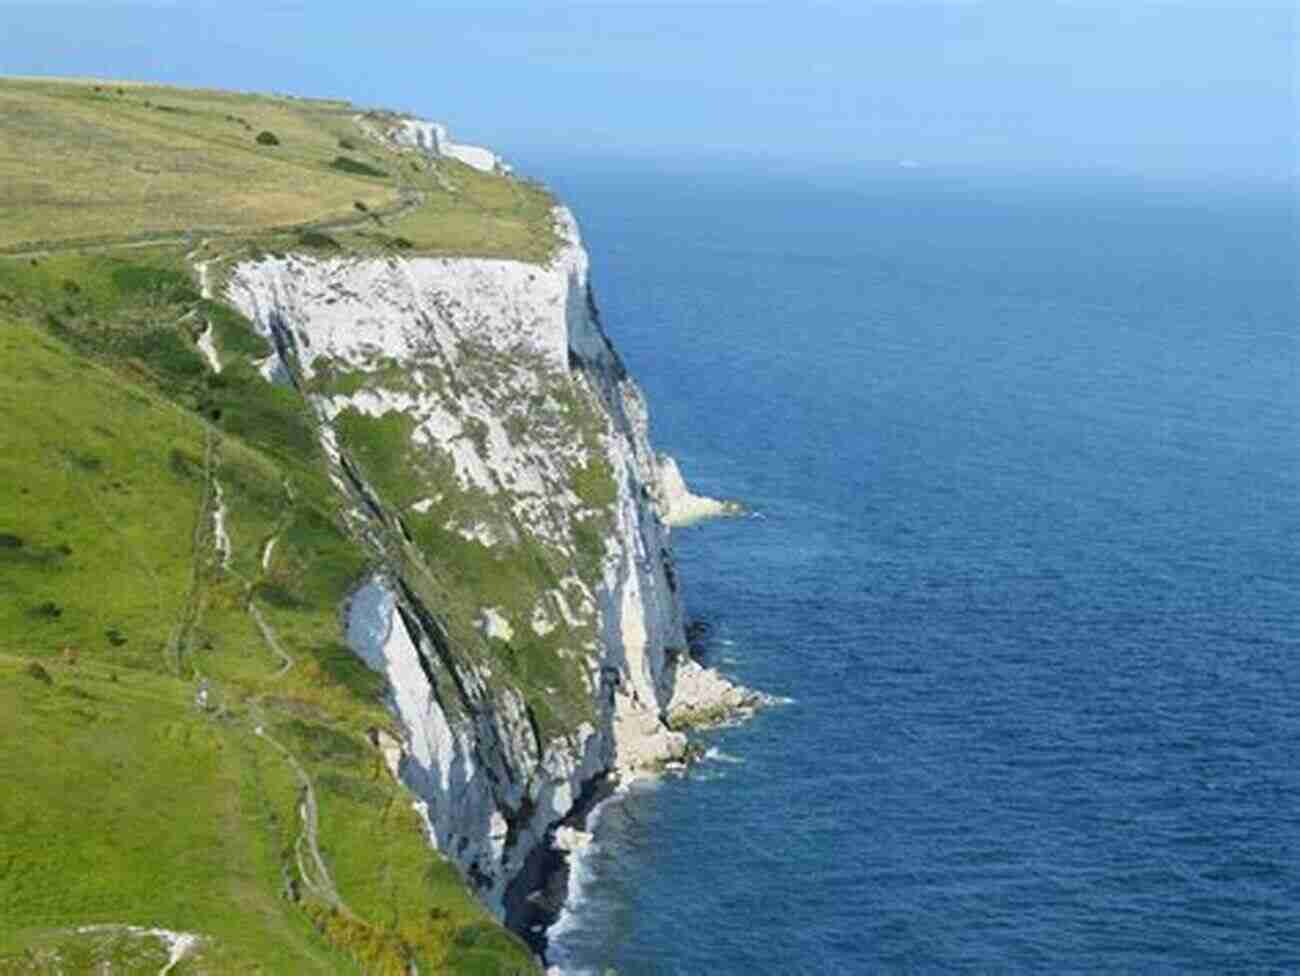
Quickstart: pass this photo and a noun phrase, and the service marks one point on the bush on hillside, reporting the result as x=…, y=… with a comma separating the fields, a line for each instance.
x=315, y=239
x=267, y=138
x=347, y=165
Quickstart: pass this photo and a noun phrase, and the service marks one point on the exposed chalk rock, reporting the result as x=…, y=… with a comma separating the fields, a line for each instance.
x=678, y=505
x=392, y=751
x=221, y=538
x=704, y=697
x=571, y=839
x=430, y=138
x=178, y=945
x=512, y=404
x=493, y=624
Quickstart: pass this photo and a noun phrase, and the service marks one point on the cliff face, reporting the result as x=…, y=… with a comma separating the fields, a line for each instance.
x=524, y=605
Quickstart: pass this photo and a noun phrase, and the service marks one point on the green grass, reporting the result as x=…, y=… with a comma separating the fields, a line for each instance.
x=124, y=803
x=472, y=214
x=382, y=445
x=461, y=576
x=85, y=165
x=594, y=484
x=346, y=164
x=105, y=516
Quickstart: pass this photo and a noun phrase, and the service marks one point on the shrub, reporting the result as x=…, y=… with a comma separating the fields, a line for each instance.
x=166, y=351
x=346, y=143
x=477, y=431
x=267, y=138
x=345, y=164
x=314, y=238
x=185, y=465
x=589, y=546
x=49, y=610
x=235, y=333
x=164, y=284
x=594, y=483
x=39, y=673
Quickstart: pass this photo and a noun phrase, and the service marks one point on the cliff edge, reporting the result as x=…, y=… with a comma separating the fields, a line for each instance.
x=338, y=571
x=525, y=609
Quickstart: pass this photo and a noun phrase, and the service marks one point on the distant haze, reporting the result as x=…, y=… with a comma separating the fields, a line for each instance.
x=1202, y=90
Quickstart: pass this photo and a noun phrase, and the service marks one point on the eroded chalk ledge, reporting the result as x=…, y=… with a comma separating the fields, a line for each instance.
x=679, y=506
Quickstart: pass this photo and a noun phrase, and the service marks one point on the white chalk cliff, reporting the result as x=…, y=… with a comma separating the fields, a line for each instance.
x=430, y=139
x=524, y=605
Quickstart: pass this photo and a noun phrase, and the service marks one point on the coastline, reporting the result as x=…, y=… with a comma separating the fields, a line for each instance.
x=537, y=897
x=577, y=876
x=546, y=897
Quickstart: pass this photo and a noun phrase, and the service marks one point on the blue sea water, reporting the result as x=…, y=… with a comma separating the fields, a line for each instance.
x=1024, y=459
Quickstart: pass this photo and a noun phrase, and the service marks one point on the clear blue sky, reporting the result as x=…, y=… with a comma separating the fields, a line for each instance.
x=1197, y=88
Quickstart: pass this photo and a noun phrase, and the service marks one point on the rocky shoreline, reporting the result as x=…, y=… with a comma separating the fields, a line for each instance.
x=702, y=699
x=538, y=894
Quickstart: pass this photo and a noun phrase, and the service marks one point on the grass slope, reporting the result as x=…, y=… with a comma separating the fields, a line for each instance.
x=98, y=163
x=124, y=802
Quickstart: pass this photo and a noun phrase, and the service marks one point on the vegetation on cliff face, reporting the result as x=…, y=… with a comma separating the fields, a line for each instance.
x=199, y=755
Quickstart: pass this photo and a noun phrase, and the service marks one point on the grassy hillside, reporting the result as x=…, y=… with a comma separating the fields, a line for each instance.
x=262, y=820
x=86, y=163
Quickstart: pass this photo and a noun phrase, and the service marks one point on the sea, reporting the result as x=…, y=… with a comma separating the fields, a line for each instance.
x=1021, y=454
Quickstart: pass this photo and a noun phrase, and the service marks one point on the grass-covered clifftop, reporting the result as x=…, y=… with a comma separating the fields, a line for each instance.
x=100, y=162
x=185, y=743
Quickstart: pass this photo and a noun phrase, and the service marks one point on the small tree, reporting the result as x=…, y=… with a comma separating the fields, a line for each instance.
x=267, y=138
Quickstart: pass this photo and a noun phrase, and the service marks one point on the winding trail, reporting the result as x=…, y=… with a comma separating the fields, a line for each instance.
x=322, y=885
x=317, y=879
x=254, y=611
x=268, y=636
x=406, y=202
x=204, y=342
x=220, y=537
x=190, y=612
x=225, y=551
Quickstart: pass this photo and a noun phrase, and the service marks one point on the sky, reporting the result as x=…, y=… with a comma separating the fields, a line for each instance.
x=1199, y=89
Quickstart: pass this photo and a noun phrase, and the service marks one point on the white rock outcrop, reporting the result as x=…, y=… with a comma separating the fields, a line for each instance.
x=679, y=505
x=431, y=138
x=178, y=946
x=703, y=697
